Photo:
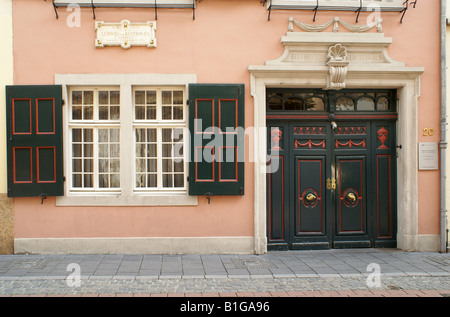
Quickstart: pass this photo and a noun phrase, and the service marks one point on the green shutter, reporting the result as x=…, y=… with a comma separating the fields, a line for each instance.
x=216, y=123
x=34, y=145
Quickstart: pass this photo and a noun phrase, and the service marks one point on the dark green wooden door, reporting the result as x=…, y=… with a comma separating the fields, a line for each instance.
x=331, y=187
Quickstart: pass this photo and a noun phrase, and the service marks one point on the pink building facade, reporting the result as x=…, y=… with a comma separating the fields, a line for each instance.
x=318, y=121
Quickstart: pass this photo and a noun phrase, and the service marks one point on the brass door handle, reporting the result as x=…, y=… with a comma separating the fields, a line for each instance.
x=351, y=197
x=311, y=197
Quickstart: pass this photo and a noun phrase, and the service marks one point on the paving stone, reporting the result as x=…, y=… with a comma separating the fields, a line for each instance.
x=333, y=272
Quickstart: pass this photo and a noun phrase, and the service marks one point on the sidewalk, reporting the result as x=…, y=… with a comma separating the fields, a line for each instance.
x=334, y=273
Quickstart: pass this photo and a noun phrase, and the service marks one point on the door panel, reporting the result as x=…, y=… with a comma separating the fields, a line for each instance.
x=351, y=205
x=276, y=208
x=310, y=199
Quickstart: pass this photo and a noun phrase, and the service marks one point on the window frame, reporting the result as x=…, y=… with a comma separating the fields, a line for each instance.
x=127, y=196
x=159, y=124
x=95, y=124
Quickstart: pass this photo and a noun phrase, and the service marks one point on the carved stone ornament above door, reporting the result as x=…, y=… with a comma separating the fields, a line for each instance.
x=337, y=63
x=335, y=54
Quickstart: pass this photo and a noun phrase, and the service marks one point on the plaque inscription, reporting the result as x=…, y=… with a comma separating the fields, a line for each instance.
x=125, y=34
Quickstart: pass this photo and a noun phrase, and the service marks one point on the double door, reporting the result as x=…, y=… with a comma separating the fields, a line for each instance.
x=331, y=184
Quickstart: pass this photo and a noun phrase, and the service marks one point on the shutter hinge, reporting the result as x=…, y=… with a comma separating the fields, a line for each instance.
x=63, y=102
x=43, y=196
x=242, y=191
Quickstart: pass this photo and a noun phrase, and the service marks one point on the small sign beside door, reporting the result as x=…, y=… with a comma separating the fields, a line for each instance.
x=428, y=156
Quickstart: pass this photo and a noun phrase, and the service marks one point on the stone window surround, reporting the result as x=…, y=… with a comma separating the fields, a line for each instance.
x=127, y=196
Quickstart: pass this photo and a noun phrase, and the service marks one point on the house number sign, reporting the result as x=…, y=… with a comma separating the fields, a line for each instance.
x=125, y=34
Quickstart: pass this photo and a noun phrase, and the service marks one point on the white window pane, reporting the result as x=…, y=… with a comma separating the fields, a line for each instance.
x=88, y=97
x=88, y=180
x=167, y=97
x=103, y=113
x=114, y=135
x=151, y=113
x=76, y=135
x=167, y=180
x=178, y=97
x=139, y=97
x=88, y=165
x=103, y=97
x=77, y=97
x=77, y=112
x=140, y=180
x=114, y=112
x=115, y=181
x=88, y=112
x=77, y=180
x=103, y=135
x=103, y=150
x=88, y=135
x=103, y=180
x=114, y=97
x=178, y=113
x=114, y=166
x=152, y=180
x=151, y=97
x=77, y=165
x=140, y=135
x=103, y=166
x=114, y=150
x=167, y=113
x=151, y=135
x=139, y=112
x=178, y=180
x=141, y=166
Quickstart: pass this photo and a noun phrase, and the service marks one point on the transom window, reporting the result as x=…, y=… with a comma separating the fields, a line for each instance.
x=294, y=100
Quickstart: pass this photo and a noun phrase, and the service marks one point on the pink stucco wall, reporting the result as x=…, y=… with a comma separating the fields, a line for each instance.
x=219, y=45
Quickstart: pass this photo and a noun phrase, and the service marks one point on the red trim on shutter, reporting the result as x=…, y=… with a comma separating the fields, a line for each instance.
x=236, y=111
x=37, y=116
x=14, y=165
x=54, y=163
x=13, y=118
x=235, y=161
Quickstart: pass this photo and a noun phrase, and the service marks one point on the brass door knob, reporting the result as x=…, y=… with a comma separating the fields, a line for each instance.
x=310, y=197
x=351, y=197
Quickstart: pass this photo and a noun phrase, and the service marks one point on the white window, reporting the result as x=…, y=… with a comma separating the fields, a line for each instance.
x=125, y=140
x=159, y=123
x=95, y=139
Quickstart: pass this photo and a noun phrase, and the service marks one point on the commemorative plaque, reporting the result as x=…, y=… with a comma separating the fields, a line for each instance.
x=428, y=156
x=125, y=34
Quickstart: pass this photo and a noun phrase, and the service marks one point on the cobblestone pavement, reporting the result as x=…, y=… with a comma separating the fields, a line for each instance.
x=276, y=274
